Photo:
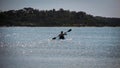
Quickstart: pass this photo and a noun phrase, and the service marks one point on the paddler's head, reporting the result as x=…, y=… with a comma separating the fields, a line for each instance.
x=61, y=32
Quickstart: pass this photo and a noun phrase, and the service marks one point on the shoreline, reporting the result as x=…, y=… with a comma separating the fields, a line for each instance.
x=59, y=26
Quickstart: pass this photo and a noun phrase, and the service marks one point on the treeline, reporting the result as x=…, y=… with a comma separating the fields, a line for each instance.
x=61, y=17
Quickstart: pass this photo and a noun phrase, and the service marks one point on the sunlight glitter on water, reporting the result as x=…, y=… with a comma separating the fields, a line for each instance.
x=33, y=47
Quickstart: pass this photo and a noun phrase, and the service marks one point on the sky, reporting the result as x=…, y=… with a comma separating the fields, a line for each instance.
x=105, y=8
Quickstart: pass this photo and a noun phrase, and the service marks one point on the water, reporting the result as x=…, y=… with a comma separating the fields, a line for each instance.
x=84, y=47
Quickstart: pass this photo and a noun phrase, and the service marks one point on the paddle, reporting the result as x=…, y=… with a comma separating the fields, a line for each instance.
x=64, y=33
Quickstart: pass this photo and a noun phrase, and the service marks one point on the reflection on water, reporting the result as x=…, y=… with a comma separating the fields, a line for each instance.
x=32, y=47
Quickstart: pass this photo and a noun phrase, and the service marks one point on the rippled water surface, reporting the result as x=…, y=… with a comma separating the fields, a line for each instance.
x=84, y=47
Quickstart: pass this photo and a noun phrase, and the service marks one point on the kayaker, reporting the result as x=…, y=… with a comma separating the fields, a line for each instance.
x=61, y=35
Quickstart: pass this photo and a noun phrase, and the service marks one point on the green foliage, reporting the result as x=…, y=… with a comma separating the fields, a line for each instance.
x=61, y=17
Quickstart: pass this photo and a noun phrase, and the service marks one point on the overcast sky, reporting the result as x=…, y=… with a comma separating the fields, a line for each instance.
x=106, y=8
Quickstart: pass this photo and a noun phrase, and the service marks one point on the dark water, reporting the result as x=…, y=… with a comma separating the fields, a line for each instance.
x=84, y=47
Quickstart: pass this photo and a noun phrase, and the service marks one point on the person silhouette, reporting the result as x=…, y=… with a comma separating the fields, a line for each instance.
x=61, y=35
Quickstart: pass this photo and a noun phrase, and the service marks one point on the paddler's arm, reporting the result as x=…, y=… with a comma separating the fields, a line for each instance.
x=65, y=33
